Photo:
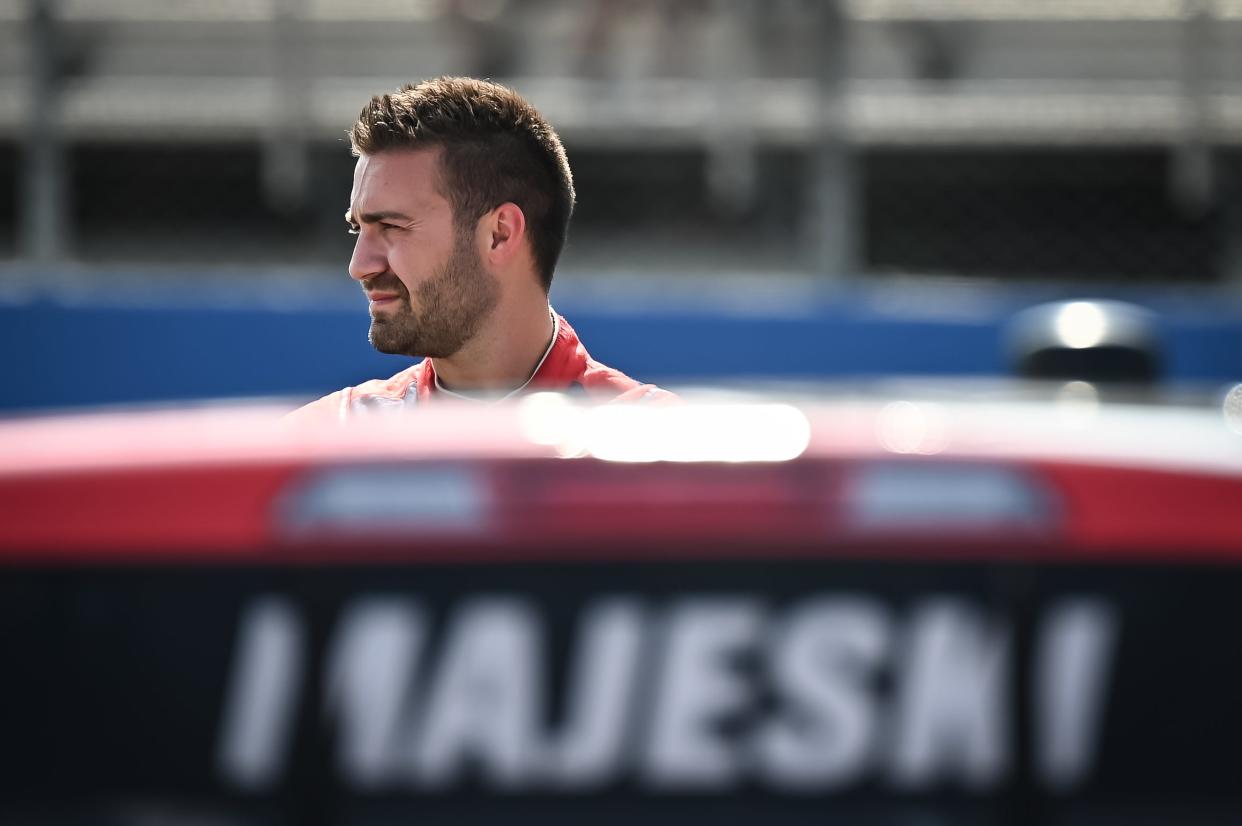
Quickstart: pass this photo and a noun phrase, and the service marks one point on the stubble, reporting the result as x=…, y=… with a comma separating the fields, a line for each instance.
x=445, y=311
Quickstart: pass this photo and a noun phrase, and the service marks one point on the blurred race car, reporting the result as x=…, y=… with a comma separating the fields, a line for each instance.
x=894, y=603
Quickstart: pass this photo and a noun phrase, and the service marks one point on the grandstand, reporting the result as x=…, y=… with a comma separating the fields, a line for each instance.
x=974, y=137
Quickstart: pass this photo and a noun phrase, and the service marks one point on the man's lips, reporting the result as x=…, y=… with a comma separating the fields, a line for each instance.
x=380, y=298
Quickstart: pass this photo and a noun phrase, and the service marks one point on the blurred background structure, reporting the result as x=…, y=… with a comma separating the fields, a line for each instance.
x=768, y=152
x=928, y=607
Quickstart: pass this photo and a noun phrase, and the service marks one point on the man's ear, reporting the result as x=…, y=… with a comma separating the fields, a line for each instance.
x=507, y=227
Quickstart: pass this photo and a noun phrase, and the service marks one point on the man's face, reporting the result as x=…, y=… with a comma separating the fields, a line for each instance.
x=429, y=291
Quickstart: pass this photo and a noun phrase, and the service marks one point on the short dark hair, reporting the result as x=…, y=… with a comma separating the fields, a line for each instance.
x=496, y=148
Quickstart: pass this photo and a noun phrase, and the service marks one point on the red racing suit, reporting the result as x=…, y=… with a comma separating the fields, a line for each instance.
x=566, y=366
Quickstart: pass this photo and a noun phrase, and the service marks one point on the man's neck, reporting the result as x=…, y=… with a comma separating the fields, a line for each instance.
x=502, y=358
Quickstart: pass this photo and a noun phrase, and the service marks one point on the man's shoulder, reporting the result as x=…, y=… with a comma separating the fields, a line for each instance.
x=569, y=365
x=372, y=393
x=604, y=382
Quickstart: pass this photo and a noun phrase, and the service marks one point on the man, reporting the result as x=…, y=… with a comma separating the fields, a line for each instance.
x=461, y=201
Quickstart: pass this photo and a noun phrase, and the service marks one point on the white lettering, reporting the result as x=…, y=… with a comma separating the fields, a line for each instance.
x=369, y=670
x=698, y=686
x=838, y=690
x=825, y=660
x=485, y=696
x=262, y=694
x=602, y=681
x=951, y=714
x=1073, y=660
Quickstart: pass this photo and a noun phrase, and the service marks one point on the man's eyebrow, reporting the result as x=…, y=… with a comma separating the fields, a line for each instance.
x=374, y=217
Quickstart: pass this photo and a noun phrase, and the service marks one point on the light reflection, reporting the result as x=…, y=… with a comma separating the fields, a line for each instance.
x=1081, y=324
x=1232, y=409
x=685, y=433
x=1077, y=403
x=553, y=420
x=906, y=427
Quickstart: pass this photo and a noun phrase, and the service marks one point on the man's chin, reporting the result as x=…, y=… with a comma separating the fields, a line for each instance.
x=389, y=350
x=381, y=339
x=392, y=340
x=391, y=345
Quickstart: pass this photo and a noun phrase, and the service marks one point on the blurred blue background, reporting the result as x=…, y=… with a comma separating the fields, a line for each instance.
x=191, y=341
x=788, y=190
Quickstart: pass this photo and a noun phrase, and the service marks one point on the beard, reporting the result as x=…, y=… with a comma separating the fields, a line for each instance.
x=451, y=307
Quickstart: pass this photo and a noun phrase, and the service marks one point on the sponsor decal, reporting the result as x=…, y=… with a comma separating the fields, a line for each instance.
x=693, y=693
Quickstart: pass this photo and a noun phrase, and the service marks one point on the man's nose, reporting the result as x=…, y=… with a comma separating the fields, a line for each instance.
x=368, y=259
